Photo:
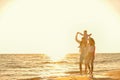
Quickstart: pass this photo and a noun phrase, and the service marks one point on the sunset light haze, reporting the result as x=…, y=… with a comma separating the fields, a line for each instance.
x=49, y=26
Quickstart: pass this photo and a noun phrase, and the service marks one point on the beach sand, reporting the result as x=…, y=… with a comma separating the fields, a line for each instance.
x=115, y=74
x=74, y=78
x=109, y=75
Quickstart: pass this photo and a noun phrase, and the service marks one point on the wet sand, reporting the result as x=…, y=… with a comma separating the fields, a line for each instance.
x=109, y=75
x=114, y=76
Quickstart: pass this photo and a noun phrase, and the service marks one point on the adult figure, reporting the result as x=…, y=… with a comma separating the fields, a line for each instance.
x=82, y=49
x=89, y=59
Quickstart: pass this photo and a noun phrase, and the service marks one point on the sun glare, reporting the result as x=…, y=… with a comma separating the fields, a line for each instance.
x=56, y=57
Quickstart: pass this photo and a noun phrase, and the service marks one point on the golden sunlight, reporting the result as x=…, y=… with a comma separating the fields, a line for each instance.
x=38, y=28
x=56, y=57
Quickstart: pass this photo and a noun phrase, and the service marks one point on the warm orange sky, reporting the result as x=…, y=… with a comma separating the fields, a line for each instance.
x=49, y=26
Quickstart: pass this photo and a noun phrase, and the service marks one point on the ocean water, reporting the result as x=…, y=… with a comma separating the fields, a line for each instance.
x=25, y=66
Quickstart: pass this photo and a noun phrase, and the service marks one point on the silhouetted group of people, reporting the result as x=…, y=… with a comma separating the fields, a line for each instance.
x=87, y=51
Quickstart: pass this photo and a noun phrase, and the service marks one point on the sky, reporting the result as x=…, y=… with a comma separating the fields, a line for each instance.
x=50, y=26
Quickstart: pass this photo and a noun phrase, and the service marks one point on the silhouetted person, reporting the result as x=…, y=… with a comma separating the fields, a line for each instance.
x=89, y=59
x=82, y=50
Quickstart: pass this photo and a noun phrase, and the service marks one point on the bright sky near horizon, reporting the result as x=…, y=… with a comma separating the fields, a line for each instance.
x=49, y=26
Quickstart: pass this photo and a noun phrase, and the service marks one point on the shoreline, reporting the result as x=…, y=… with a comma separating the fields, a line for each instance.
x=40, y=67
x=109, y=75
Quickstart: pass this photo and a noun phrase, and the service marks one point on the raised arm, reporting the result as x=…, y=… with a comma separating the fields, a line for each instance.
x=89, y=35
x=80, y=33
x=76, y=37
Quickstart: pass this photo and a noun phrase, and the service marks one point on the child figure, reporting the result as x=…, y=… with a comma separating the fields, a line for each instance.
x=85, y=36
